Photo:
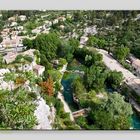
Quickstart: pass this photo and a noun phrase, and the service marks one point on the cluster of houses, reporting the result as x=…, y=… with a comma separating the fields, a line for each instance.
x=87, y=31
x=32, y=66
x=47, y=25
x=38, y=69
x=12, y=41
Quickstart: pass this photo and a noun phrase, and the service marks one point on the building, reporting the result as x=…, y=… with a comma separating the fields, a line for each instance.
x=38, y=30
x=13, y=24
x=12, y=19
x=61, y=18
x=4, y=71
x=22, y=17
x=83, y=40
x=48, y=23
x=62, y=27
x=90, y=30
x=5, y=32
x=25, y=67
x=20, y=28
x=55, y=21
x=10, y=57
x=136, y=66
x=69, y=16
x=9, y=43
x=39, y=70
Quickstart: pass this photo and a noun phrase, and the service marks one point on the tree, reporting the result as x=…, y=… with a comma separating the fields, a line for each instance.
x=82, y=122
x=136, y=48
x=55, y=74
x=78, y=16
x=47, y=86
x=114, y=79
x=78, y=87
x=27, y=42
x=95, y=77
x=74, y=43
x=17, y=110
x=44, y=61
x=92, y=41
x=88, y=60
x=9, y=76
x=20, y=80
x=67, y=49
x=113, y=115
x=47, y=44
x=121, y=53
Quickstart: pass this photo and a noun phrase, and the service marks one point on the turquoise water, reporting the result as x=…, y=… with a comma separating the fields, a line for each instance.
x=136, y=122
x=68, y=94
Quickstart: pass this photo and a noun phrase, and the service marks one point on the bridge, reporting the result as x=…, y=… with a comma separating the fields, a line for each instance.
x=81, y=112
x=76, y=71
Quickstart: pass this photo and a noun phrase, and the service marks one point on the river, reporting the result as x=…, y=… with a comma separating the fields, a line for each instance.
x=68, y=96
x=66, y=82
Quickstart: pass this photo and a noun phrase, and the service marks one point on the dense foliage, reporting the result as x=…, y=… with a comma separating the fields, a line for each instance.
x=17, y=110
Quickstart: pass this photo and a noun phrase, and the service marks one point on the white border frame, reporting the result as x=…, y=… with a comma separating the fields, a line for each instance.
x=70, y=5
x=70, y=135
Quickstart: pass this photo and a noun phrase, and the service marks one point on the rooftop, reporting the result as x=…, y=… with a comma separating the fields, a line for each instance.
x=136, y=62
x=38, y=67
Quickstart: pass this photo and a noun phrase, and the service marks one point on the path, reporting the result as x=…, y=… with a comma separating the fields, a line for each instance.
x=66, y=107
x=129, y=78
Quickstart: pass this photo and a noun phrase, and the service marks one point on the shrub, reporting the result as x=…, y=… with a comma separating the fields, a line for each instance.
x=20, y=80
x=17, y=110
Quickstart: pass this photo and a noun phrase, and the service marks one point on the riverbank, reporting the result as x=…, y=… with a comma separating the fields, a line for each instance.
x=61, y=97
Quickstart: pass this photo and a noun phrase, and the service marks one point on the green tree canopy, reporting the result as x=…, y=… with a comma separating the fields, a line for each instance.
x=121, y=53
x=114, y=79
x=113, y=115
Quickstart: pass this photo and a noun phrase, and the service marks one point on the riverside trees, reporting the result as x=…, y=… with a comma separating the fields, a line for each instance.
x=113, y=114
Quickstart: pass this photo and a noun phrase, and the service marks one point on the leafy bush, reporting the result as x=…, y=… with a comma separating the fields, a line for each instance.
x=9, y=76
x=28, y=58
x=17, y=110
x=62, y=61
x=82, y=122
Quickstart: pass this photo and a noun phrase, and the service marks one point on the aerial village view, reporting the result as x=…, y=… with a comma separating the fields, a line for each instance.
x=69, y=70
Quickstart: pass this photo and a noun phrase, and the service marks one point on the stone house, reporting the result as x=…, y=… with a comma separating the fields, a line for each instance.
x=22, y=17
x=136, y=66
x=83, y=40
x=39, y=70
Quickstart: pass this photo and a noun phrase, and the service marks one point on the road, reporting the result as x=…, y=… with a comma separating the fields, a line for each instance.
x=129, y=78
